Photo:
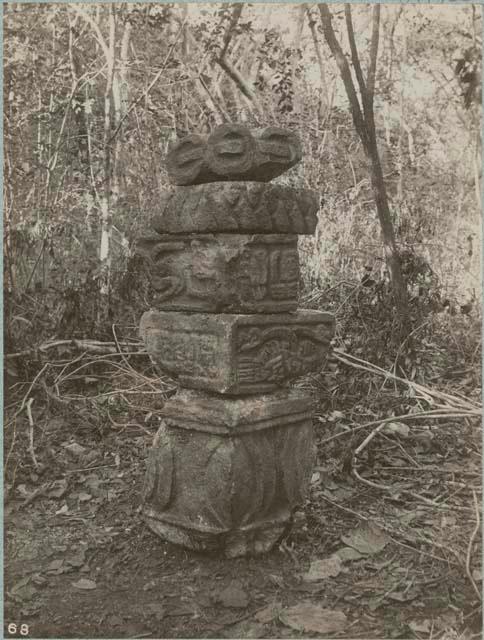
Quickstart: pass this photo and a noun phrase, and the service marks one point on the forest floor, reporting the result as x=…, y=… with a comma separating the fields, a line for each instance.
x=397, y=560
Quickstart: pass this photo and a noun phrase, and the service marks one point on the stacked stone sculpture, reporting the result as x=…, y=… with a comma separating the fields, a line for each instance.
x=234, y=453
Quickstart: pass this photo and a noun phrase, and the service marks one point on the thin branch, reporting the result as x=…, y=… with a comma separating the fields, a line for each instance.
x=375, y=35
x=28, y=408
x=233, y=73
x=424, y=415
x=343, y=66
x=151, y=85
x=95, y=26
x=459, y=403
x=416, y=496
x=354, y=54
x=236, y=13
x=469, y=548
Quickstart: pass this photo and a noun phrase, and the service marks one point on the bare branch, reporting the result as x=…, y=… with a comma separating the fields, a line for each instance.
x=343, y=66
x=236, y=13
x=233, y=73
x=95, y=27
x=317, y=49
x=354, y=54
x=151, y=85
x=375, y=35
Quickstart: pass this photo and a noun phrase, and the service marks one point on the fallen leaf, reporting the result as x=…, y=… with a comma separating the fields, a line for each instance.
x=347, y=554
x=93, y=483
x=114, y=621
x=58, y=488
x=84, y=583
x=401, y=597
x=322, y=569
x=335, y=415
x=22, y=489
x=39, y=580
x=64, y=510
x=233, y=596
x=269, y=613
x=55, y=565
x=149, y=585
x=20, y=584
x=396, y=428
x=422, y=626
x=316, y=477
x=75, y=449
x=408, y=517
x=368, y=538
x=310, y=617
x=23, y=590
x=78, y=559
x=90, y=456
x=448, y=521
x=477, y=575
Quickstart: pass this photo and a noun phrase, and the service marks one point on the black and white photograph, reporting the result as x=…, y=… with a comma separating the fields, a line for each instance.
x=242, y=320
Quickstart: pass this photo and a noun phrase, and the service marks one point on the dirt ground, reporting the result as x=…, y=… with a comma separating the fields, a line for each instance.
x=360, y=562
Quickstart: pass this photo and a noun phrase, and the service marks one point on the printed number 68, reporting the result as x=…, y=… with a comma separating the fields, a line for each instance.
x=14, y=629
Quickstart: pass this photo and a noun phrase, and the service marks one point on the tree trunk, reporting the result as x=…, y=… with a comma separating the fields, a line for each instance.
x=363, y=118
x=106, y=215
x=324, y=99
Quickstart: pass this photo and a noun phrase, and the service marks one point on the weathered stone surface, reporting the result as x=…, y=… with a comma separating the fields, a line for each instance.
x=230, y=493
x=241, y=207
x=200, y=411
x=233, y=152
x=223, y=273
x=237, y=354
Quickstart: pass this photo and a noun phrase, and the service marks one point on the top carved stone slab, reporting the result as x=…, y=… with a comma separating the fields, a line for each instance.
x=233, y=152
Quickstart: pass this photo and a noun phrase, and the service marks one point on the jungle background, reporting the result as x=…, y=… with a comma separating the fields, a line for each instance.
x=93, y=96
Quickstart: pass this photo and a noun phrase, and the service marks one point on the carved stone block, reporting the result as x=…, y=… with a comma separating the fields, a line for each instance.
x=237, y=207
x=237, y=354
x=226, y=476
x=233, y=152
x=223, y=273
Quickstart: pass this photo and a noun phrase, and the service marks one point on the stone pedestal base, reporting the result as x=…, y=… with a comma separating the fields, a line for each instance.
x=227, y=477
x=233, y=544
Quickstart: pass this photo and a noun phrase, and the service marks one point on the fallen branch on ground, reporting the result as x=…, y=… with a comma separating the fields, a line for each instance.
x=434, y=414
x=91, y=346
x=28, y=408
x=469, y=548
x=428, y=394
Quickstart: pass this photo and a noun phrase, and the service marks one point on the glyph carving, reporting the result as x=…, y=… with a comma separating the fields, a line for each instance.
x=237, y=354
x=224, y=272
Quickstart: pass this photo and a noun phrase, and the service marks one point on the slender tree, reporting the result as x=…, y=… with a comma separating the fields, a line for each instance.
x=364, y=121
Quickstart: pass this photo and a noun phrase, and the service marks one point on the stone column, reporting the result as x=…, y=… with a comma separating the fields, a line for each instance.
x=234, y=453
